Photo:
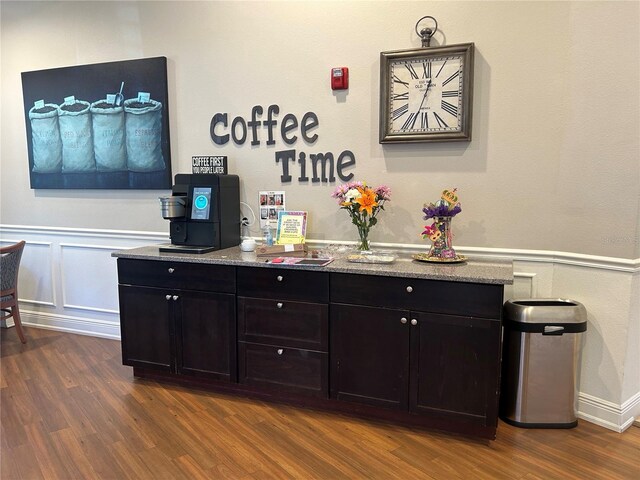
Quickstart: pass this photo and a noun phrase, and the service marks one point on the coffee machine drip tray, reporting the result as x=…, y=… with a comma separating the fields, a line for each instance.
x=185, y=249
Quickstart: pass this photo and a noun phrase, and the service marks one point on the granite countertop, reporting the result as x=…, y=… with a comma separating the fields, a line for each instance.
x=474, y=270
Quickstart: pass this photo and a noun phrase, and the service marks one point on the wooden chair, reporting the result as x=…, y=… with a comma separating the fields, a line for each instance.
x=9, y=264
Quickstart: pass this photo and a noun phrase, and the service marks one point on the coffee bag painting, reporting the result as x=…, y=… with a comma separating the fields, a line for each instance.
x=99, y=126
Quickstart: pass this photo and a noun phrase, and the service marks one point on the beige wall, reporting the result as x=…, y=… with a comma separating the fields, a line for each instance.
x=553, y=164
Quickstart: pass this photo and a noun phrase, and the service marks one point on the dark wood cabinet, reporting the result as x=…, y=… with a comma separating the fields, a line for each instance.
x=146, y=328
x=178, y=330
x=444, y=366
x=455, y=365
x=206, y=334
x=370, y=355
x=283, y=322
x=412, y=350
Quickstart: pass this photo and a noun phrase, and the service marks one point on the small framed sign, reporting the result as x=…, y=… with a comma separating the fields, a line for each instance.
x=209, y=164
x=292, y=227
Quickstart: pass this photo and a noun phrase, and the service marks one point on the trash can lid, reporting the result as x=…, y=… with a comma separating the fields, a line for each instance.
x=545, y=310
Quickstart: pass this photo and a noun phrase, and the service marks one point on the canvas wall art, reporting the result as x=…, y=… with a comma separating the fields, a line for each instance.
x=99, y=126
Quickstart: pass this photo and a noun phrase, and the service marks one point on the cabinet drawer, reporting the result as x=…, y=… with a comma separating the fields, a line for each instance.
x=283, y=369
x=282, y=283
x=283, y=322
x=455, y=298
x=182, y=275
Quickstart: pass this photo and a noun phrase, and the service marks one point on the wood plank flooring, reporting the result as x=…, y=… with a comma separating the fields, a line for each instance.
x=70, y=410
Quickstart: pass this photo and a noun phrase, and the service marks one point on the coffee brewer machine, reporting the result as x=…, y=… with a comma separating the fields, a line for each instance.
x=204, y=211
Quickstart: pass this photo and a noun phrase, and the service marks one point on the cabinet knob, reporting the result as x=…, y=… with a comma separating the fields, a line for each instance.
x=279, y=305
x=409, y=289
x=414, y=321
x=175, y=297
x=168, y=297
x=403, y=320
x=171, y=270
x=279, y=278
x=280, y=351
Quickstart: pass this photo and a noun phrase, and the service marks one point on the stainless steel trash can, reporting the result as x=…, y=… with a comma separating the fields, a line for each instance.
x=540, y=357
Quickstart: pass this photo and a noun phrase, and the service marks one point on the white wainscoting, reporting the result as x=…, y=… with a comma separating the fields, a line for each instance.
x=68, y=278
x=68, y=282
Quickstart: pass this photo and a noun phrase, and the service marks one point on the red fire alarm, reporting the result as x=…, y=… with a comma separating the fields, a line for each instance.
x=339, y=78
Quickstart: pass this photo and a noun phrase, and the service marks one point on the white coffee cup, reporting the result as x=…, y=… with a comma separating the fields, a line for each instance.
x=248, y=245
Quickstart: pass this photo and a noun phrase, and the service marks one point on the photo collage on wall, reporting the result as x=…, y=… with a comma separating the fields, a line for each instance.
x=271, y=202
x=99, y=126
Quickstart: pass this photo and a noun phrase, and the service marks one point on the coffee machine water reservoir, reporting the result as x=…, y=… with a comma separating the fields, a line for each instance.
x=204, y=213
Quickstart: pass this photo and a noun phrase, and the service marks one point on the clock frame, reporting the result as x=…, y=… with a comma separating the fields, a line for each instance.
x=428, y=121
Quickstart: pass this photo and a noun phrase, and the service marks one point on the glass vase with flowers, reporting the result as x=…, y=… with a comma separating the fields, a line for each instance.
x=363, y=204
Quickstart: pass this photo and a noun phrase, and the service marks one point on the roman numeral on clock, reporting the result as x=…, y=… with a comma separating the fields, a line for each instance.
x=441, y=122
x=450, y=93
x=450, y=78
x=411, y=121
x=424, y=121
x=447, y=107
x=397, y=80
x=412, y=70
x=426, y=67
x=398, y=112
x=400, y=96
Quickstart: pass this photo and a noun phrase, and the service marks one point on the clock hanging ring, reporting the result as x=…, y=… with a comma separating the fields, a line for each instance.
x=426, y=94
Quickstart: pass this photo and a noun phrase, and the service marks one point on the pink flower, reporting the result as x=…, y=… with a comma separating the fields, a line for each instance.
x=383, y=192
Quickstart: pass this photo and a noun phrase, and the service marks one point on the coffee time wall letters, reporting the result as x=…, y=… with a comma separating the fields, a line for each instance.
x=322, y=166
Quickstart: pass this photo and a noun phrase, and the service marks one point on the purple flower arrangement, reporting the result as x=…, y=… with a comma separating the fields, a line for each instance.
x=447, y=206
x=440, y=209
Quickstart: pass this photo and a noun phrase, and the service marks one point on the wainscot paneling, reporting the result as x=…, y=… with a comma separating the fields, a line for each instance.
x=93, y=266
x=37, y=279
x=68, y=281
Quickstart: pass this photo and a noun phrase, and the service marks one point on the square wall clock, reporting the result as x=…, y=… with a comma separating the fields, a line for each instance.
x=426, y=94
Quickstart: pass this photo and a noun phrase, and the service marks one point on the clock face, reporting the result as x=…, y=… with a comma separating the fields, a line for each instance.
x=426, y=94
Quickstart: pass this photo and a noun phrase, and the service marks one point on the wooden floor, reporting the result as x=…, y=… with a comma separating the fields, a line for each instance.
x=70, y=410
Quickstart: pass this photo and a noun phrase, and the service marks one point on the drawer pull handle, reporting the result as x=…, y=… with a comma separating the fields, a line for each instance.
x=409, y=289
x=175, y=297
x=279, y=305
x=168, y=297
x=171, y=270
x=280, y=351
x=279, y=278
x=414, y=321
x=403, y=320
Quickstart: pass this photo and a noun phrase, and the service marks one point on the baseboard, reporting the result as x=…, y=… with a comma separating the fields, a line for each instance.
x=71, y=324
x=607, y=414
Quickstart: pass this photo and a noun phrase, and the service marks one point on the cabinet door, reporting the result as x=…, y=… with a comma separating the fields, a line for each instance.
x=369, y=355
x=454, y=367
x=146, y=327
x=206, y=334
